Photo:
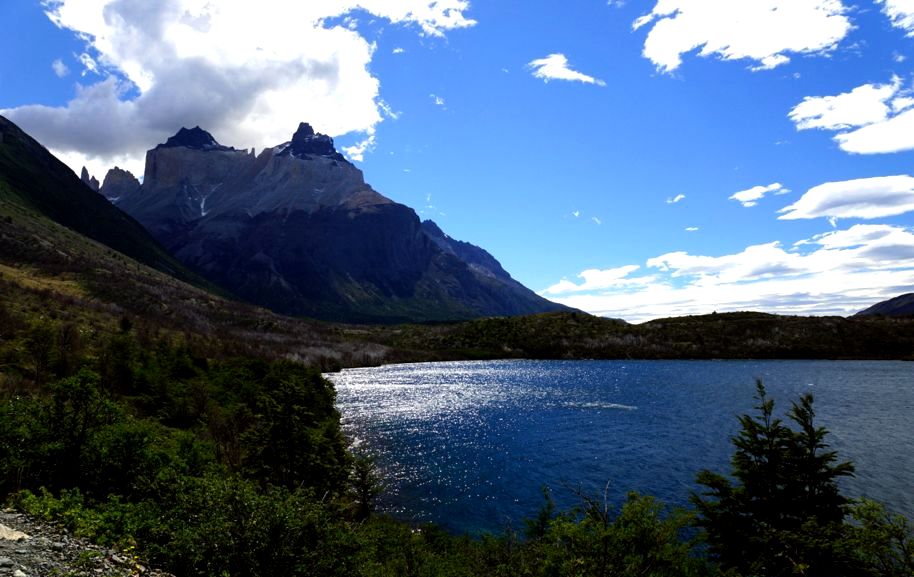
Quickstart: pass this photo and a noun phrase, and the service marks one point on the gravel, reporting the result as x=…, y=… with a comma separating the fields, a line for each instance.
x=29, y=548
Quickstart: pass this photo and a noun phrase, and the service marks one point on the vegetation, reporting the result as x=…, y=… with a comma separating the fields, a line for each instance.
x=237, y=466
x=715, y=336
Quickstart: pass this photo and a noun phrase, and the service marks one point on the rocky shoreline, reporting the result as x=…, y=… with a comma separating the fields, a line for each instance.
x=30, y=548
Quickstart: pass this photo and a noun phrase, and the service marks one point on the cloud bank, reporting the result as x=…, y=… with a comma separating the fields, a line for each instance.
x=865, y=198
x=839, y=272
x=248, y=72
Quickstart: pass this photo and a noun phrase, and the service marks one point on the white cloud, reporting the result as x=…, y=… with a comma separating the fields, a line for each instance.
x=89, y=64
x=437, y=100
x=861, y=106
x=247, y=72
x=866, y=198
x=357, y=151
x=870, y=119
x=901, y=13
x=59, y=68
x=691, y=229
x=398, y=50
x=388, y=111
x=597, y=279
x=763, y=31
x=576, y=213
x=596, y=220
x=751, y=196
x=555, y=67
x=675, y=199
x=839, y=272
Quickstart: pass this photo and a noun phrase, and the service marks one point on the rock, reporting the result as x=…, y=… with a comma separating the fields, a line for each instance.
x=194, y=138
x=297, y=229
x=119, y=184
x=50, y=553
x=306, y=142
x=90, y=181
x=8, y=534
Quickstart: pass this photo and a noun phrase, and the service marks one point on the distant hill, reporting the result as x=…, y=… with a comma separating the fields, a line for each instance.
x=296, y=229
x=739, y=335
x=899, y=306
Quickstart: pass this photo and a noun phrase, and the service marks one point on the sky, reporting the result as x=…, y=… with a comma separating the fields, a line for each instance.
x=634, y=159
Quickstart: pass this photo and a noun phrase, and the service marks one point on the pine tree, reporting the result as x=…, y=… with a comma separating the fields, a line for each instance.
x=781, y=512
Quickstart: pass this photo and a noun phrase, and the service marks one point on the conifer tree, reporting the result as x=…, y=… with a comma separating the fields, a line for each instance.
x=780, y=512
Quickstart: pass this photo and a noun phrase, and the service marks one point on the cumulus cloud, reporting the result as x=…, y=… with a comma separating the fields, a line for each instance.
x=247, y=72
x=901, y=13
x=765, y=32
x=839, y=272
x=675, y=199
x=865, y=198
x=861, y=106
x=556, y=67
x=870, y=119
x=751, y=196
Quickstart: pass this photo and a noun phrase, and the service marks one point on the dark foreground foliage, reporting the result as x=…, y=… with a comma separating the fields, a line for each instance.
x=237, y=466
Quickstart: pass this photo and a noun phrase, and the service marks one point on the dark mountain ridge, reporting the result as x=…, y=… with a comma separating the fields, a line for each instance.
x=32, y=177
x=900, y=306
x=297, y=229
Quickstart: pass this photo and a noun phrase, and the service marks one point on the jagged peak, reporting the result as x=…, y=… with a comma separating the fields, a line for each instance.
x=195, y=138
x=119, y=174
x=90, y=181
x=432, y=229
x=306, y=143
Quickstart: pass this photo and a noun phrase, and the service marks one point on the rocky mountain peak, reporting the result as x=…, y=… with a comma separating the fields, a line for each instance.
x=303, y=133
x=90, y=181
x=195, y=138
x=305, y=142
x=118, y=184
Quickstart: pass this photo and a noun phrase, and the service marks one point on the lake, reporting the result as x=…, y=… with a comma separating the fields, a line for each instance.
x=469, y=445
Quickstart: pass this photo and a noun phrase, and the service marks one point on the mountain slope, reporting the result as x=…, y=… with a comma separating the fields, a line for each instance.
x=899, y=306
x=297, y=229
x=33, y=178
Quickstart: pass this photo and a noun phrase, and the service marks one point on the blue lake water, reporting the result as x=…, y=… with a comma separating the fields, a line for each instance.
x=469, y=445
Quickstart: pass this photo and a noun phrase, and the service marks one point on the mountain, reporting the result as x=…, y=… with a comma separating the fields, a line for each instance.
x=33, y=180
x=896, y=307
x=297, y=229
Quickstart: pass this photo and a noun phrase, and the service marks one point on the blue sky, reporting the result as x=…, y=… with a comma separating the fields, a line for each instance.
x=633, y=159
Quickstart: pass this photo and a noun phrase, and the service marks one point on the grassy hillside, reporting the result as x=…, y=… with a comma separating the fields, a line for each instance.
x=34, y=180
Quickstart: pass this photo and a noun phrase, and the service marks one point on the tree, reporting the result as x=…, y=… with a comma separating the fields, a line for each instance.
x=782, y=513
